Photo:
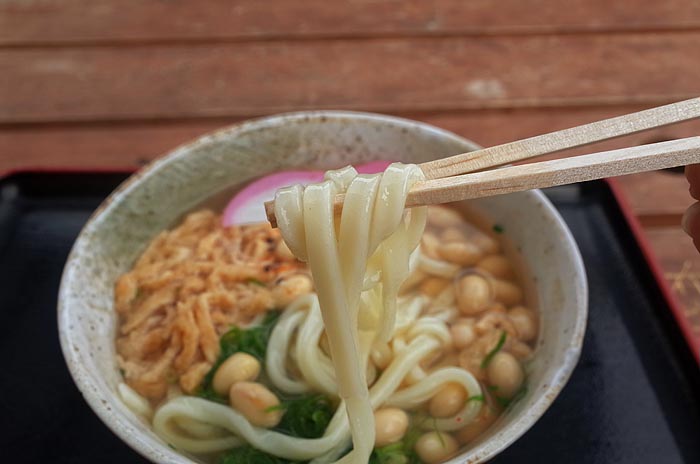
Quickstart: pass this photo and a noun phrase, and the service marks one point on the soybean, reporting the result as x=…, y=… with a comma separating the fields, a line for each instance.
x=256, y=403
x=390, y=425
x=238, y=367
x=435, y=447
x=474, y=294
x=506, y=292
x=505, y=373
x=462, y=253
x=498, y=266
x=525, y=322
x=448, y=401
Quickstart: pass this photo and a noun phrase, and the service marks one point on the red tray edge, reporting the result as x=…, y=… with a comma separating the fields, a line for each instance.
x=650, y=257
x=635, y=226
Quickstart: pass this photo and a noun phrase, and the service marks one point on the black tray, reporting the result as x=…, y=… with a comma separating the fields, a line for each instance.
x=632, y=399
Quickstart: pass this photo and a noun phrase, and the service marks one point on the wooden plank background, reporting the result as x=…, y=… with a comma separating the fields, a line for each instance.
x=385, y=75
x=50, y=23
x=108, y=83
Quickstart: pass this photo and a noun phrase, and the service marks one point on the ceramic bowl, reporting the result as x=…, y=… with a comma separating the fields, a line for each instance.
x=156, y=196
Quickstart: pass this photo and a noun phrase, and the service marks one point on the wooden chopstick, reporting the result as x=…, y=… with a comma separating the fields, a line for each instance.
x=551, y=173
x=562, y=139
x=455, y=184
x=545, y=174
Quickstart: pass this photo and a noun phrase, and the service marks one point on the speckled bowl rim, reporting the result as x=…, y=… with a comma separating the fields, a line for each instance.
x=482, y=452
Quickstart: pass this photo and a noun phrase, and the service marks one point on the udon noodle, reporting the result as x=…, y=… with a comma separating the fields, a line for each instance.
x=405, y=335
x=369, y=253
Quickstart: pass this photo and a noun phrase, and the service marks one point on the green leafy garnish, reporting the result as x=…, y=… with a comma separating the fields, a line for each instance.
x=402, y=452
x=479, y=398
x=248, y=455
x=504, y=402
x=277, y=407
x=435, y=427
x=507, y=402
x=496, y=349
x=390, y=454
x=498, y=228
x=414, y=432
x=492, y=388
x=257, y=282
x=305, y=417
x=252, y=341
x=396, y=453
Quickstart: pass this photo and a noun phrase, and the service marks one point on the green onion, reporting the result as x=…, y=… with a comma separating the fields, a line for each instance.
x=257, y=282
x=442, y=440
x=396, y=453
x=479, y=398
x=496, y=349
x=507, y=402
x=246, y=454
x=498, y=228
x=277, y=407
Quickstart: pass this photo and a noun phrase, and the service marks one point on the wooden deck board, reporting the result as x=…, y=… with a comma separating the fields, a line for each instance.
x=99, y=21
x=385, y=75
x=132, y=143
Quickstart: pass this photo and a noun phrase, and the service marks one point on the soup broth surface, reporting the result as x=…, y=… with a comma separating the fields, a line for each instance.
x=223, y=315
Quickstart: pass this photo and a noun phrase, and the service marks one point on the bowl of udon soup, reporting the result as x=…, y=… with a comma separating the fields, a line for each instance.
x=442, y=333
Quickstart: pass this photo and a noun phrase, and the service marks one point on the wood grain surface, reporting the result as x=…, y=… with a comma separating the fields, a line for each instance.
x=133, y=143
x=84, y=22
x=386, y=75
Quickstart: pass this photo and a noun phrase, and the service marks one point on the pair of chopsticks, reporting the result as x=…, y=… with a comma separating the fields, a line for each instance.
x=454, y=178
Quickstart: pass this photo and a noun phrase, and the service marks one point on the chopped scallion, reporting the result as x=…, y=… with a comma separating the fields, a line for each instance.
x=496, y=349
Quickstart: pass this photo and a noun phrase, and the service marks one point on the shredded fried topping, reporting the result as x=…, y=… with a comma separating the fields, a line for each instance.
x=189, y=287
